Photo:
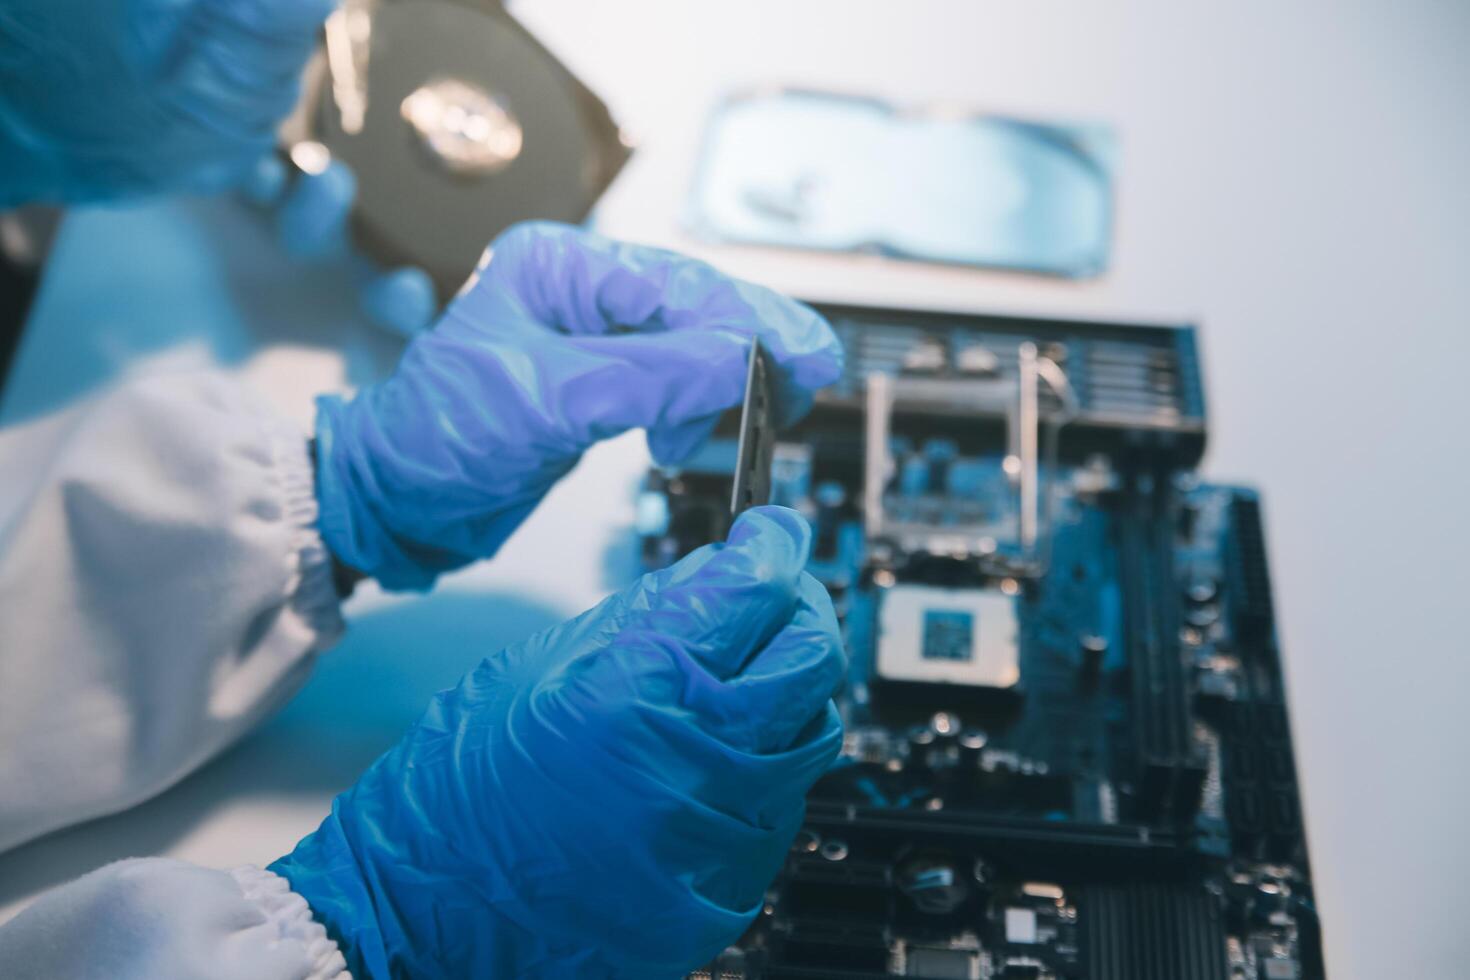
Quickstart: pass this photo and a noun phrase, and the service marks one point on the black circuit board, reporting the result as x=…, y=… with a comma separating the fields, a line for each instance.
x=1082, y=772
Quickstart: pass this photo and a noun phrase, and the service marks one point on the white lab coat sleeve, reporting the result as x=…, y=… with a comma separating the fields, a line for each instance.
x=161, y=919
x=162, y=588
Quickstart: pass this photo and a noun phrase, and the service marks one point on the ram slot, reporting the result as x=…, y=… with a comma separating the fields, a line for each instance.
x=1171, y=766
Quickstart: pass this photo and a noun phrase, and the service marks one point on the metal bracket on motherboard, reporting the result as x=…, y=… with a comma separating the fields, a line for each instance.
x=1031, y=457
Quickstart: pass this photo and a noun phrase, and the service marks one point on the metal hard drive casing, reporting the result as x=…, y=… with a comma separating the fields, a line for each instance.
x=472, y=64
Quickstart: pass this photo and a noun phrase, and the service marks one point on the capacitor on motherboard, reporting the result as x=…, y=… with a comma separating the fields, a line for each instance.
x=972, y=742
x=1201, y=590
x=1271, y=898
x=1094, y=647
x=834, y=850
x=920, y=738
x=944, y=752
x=1201, y=616
x=945, y=725
x=933, y=745
x=830, y=499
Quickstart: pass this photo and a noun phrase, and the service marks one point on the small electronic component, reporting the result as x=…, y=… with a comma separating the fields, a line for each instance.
x=756, y=447
x=1021, y=926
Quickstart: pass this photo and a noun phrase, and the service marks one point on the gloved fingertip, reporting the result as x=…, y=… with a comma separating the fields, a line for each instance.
x=723, y=602
x=811, y=642
x=775, y=528
x=313, y=219
x=671, y=445
x=265, y=181
x=783, y=690
x=807, y=351
x=402, y=300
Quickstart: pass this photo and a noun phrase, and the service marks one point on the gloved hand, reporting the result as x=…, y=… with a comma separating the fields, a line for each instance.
x=609, y=798
x=102, y=101
x=311, y=212
x=566, y=338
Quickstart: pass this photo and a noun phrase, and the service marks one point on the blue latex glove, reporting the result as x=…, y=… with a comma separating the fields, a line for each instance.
x=609, y=798
x=566, y=338
x=102, y=101
x=311, y=215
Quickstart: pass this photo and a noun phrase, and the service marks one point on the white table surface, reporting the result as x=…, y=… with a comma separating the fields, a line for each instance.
x=1293, y=178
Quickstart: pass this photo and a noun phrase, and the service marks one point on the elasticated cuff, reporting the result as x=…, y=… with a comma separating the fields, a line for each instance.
x=313, y=593
x=291, y=919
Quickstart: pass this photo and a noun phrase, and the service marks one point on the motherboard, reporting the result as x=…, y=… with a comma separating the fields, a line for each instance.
x=1067, y=751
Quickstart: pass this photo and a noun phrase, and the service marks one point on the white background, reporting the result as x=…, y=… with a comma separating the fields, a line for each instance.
x=1293, y=178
